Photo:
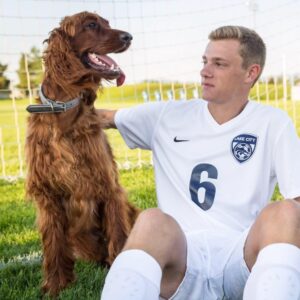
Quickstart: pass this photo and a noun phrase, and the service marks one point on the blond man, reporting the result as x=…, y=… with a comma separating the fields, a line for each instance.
x=217, y=160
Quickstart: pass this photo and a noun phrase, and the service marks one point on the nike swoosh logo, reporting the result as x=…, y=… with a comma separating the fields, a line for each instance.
x=178, y=140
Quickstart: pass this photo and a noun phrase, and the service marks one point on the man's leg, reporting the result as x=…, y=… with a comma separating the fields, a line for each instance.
x=152, y=262
x=272, y=253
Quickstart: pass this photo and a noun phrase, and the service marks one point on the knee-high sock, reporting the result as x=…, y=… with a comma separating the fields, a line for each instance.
x=275, y=275
x=134, y=275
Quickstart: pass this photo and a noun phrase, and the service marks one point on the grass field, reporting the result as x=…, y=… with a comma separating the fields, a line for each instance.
x=20, y=264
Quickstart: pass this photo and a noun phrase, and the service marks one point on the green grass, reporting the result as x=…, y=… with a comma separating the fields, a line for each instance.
x=19, y=237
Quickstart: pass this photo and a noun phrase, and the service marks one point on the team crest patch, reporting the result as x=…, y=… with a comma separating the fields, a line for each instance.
x=243, y=147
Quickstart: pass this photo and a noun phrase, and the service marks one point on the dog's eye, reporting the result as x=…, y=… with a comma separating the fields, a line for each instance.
x=92, y=25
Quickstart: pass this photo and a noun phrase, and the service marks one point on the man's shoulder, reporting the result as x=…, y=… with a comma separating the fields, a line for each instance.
x=267, y=111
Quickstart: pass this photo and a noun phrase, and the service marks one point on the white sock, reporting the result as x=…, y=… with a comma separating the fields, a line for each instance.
x=275, y=275
x=134, y=275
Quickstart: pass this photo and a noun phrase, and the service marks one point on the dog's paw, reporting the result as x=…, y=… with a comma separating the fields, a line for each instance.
x=52, y=286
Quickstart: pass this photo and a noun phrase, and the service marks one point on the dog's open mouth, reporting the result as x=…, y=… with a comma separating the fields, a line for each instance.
x=107, y=66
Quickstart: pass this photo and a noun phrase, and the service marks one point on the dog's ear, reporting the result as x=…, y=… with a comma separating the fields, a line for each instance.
x=61, y=64
x=58, y=41
x=68, y=26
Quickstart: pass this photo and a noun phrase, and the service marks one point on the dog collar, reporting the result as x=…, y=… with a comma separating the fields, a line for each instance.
x=51, y=106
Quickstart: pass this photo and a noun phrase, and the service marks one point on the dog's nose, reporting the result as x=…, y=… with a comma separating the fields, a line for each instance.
x=125, y=37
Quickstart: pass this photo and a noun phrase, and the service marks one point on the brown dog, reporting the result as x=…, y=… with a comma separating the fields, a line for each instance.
x=82, y=209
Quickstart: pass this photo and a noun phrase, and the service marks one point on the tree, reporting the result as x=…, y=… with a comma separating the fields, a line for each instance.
x=297, y=79
x=4, y=81
x=34, y=62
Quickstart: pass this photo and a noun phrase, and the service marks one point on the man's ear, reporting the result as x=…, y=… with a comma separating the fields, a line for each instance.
x=252, y=73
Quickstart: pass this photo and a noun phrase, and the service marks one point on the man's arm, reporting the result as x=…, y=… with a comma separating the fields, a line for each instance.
x=107, y=118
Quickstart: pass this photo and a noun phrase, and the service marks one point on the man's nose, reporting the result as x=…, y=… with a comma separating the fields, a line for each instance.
x=206, y=71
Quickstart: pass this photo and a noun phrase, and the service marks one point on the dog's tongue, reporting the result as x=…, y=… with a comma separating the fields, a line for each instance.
x=121, y=79
x=110, y=63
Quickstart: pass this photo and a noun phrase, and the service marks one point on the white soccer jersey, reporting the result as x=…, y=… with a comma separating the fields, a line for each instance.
x=210, y=175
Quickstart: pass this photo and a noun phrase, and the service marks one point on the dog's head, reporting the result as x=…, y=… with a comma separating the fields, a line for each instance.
x=77, y=51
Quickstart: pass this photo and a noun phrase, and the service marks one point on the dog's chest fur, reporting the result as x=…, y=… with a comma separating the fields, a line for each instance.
x=78, y=161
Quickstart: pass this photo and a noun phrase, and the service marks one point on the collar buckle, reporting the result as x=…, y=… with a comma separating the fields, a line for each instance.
x=62, y=105
x=52, y=106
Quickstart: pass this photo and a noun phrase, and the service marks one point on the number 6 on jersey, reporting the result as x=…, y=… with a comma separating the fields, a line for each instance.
x=196, y=184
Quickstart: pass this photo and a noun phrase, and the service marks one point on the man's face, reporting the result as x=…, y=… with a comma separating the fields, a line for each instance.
x=222, y=75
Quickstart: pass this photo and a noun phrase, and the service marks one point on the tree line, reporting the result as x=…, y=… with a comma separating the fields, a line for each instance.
x=33, y=59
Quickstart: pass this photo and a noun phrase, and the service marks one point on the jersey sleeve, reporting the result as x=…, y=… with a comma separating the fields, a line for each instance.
x=287, y=161
x=137, y=124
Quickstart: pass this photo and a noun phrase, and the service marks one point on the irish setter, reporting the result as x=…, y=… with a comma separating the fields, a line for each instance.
x=83, y=211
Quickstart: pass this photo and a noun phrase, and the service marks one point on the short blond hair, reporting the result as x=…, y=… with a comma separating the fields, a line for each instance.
x=253, y=48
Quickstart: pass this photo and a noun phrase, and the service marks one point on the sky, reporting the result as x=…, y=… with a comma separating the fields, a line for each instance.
x=169, y=36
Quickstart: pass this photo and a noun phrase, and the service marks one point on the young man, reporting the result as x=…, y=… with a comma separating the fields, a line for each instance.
x=216, y=165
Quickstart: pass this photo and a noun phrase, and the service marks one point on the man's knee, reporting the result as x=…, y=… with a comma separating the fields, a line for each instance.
x=156, y=233
x=150, y=220
x=152, y=225
x=282, y=214
x=280, y=222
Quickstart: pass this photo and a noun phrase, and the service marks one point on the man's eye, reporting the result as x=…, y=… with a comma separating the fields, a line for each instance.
x=92, y=25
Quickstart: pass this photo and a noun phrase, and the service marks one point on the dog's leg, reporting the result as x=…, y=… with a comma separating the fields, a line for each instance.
x=58, y=261
x=118, y=223
x=90, y=245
